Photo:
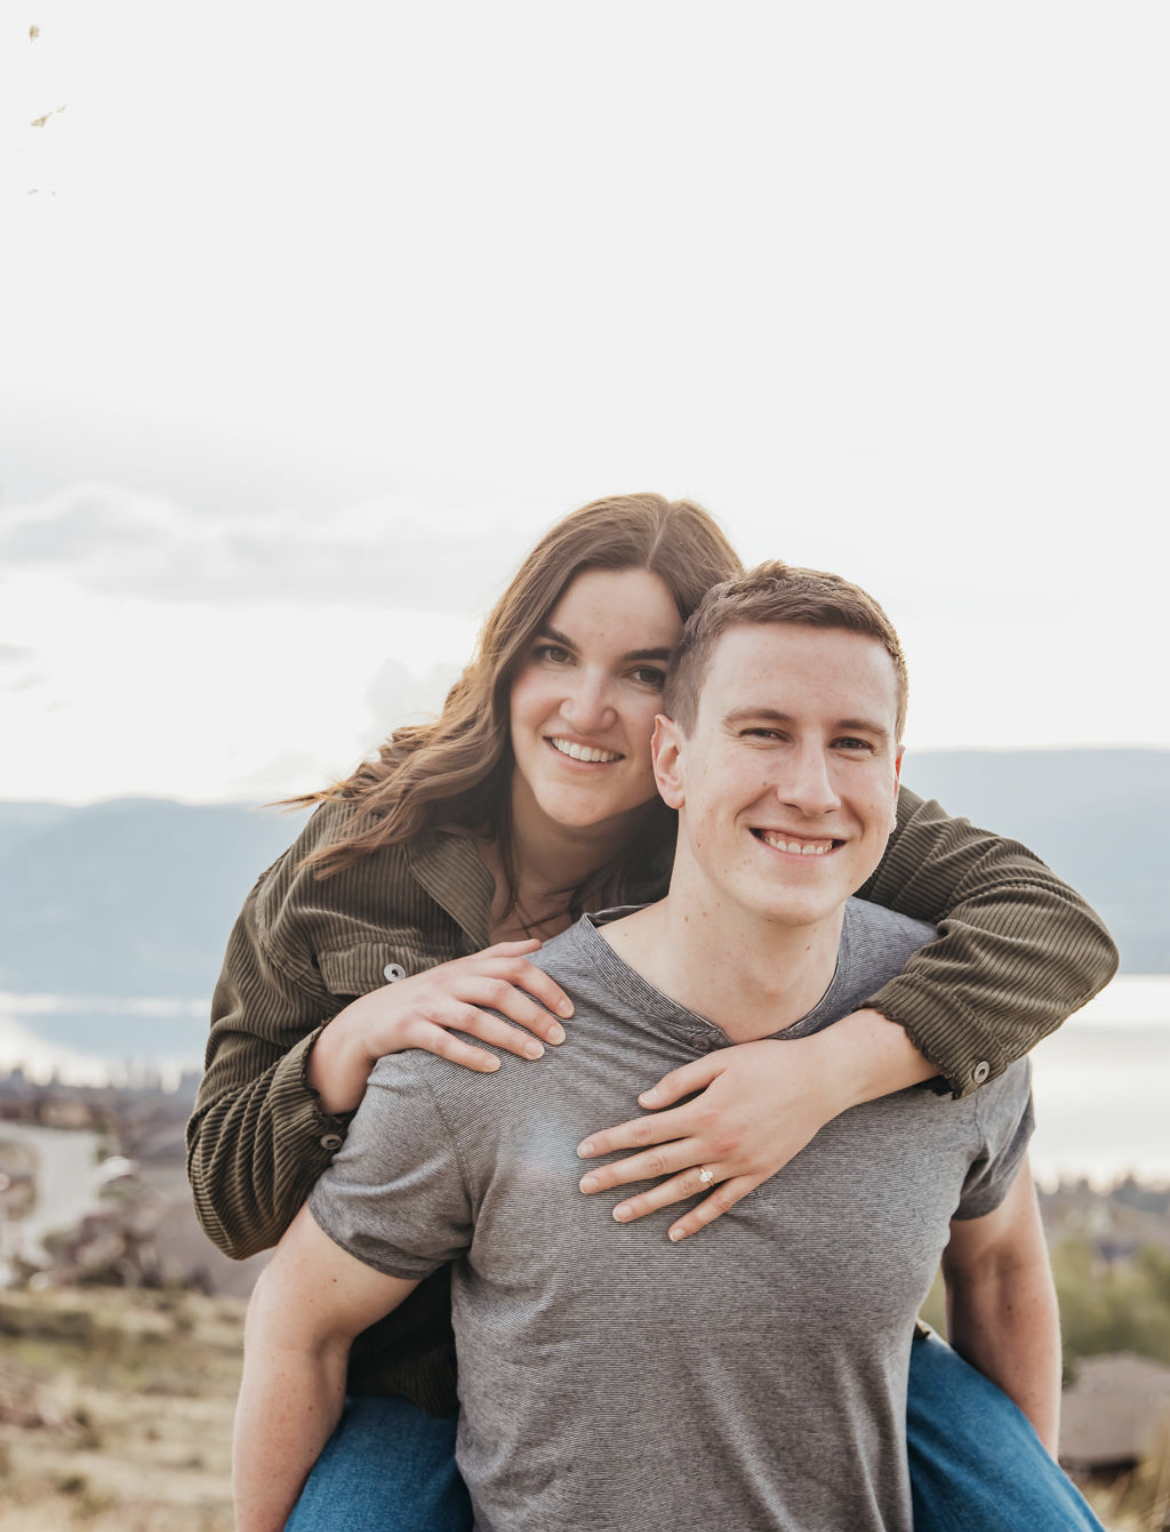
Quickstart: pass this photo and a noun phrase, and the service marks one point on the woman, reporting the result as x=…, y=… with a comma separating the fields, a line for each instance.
x=530, y=799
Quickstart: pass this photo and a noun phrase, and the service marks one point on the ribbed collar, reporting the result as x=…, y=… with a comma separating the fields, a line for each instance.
x=661, y=1010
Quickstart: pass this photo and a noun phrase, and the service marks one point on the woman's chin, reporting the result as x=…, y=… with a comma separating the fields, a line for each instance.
x=580, y=814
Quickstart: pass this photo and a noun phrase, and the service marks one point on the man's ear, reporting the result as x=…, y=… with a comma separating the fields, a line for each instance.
x=666, y=753
x=897, y=785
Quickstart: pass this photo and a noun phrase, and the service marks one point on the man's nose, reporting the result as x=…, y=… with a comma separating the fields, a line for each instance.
x=808, y=783
x=587, y=705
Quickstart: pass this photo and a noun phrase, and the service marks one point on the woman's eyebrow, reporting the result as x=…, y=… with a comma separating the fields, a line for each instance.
x=555, y=636
x=546, y=630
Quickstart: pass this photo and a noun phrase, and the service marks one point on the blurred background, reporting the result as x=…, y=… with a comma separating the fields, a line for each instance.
x=312, y=322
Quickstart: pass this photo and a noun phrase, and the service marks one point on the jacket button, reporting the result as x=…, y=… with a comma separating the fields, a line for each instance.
x=393, y=972
x=331, y=1141
x=981, y=1071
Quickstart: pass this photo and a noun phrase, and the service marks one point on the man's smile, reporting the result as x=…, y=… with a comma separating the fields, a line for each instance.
x=783, y=840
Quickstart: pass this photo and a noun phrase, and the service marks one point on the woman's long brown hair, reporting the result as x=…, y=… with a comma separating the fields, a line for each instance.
x=457, y=769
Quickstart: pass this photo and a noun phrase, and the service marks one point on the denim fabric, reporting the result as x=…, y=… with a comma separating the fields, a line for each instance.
x=976, y=1465
x=388, y=1467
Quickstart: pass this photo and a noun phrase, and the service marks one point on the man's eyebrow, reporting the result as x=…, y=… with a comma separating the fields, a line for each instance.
x=546, y=630
x=773, y=715
x=864, y=726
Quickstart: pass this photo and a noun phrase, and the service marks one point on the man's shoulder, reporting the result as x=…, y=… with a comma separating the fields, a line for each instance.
x=880, y=936
x=876, y=944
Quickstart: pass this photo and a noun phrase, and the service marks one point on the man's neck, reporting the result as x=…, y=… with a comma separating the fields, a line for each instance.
x=749, y=976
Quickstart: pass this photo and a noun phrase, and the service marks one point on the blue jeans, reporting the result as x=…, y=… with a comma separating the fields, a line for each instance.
x=388, y=1467
x=976, y=1465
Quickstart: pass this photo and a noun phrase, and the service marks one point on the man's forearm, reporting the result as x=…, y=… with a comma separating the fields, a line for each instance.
x=1005, y=1323
x=290, y=1401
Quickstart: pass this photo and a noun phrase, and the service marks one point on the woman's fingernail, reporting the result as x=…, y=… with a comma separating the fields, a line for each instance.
x=533, y=1049
x=565, y=1008
x=589, y=1183
x=585, y=1149
x=674, y=1236
x=622, y=1212
x=556, y=1033
x=649, y=1095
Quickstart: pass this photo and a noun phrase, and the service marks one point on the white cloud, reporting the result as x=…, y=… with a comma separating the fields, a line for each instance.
x=392, y=555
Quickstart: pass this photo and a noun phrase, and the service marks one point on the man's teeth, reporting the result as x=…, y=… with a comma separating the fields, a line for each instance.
x=798, y=847
x=583, y=752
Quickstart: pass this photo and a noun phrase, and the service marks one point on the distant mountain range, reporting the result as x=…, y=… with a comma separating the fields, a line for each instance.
x=136, y=897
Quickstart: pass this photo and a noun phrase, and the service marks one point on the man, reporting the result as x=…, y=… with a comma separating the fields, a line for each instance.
x=757, y=1378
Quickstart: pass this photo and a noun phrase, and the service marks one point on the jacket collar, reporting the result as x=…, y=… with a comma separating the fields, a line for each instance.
x=448, y=866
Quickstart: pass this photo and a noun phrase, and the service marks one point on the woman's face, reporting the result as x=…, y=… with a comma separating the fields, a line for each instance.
x=584, y=700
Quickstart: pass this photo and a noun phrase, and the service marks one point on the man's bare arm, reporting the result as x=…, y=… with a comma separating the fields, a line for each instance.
x=1001, y=1304
x=310, y=1302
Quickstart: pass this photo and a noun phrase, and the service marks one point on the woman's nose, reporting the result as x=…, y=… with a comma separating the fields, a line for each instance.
x=587, y=704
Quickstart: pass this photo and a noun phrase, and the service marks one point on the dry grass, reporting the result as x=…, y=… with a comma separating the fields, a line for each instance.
x=115, y=1410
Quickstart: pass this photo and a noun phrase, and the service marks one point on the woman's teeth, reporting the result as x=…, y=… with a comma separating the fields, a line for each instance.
x=582, y=752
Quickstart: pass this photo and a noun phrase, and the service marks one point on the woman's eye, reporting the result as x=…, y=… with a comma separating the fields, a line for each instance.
x=649, y=675
x=554, y=654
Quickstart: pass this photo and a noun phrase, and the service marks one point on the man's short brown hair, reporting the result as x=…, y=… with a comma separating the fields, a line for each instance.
x=775, y=592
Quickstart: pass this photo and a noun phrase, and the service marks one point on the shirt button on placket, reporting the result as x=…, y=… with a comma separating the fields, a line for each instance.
x=393, y=972
x=981, y=1071
x=331, y=1141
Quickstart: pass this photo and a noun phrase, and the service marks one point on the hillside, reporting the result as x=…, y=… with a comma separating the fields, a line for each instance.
x=130, y=897
x=136, y=897
x=1100, y=818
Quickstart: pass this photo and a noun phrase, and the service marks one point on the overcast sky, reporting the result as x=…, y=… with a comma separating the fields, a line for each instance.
x=312, y=319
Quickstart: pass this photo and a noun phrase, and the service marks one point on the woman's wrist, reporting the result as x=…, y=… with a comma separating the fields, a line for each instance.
x=338, y=1067
x=871, y=1056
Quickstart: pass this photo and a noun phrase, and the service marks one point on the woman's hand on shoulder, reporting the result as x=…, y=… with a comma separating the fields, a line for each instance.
x=428, y=1010
x=758, y=1105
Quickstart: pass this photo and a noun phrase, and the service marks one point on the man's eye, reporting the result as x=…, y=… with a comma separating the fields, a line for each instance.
x=849, y=743
x=761, y=733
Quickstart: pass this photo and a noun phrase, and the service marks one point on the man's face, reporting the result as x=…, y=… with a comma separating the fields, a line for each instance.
x=788, y=783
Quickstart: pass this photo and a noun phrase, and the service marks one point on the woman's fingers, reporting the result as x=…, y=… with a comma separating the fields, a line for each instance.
x=723, y=1198
x=688, y=1183
x=448, y=1045
x=749, y=1109
x=663, y=1161
x=512, y=985
x=696, y=1075
x=636, y=1134
x=483, y=1025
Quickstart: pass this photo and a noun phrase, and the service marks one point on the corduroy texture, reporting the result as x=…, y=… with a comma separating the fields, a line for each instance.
x=1018, y=952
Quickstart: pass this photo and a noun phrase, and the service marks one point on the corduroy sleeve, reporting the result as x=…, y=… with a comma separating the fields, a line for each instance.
x=258, y=1138
x=1017, y=952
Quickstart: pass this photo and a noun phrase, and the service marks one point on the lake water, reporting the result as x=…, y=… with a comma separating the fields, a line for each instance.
x=1101, y=1082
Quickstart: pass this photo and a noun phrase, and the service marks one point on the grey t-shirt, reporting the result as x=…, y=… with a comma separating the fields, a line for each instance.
x=752, y=1377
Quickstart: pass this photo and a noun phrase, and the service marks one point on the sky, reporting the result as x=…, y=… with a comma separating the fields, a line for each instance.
x=312, y=321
